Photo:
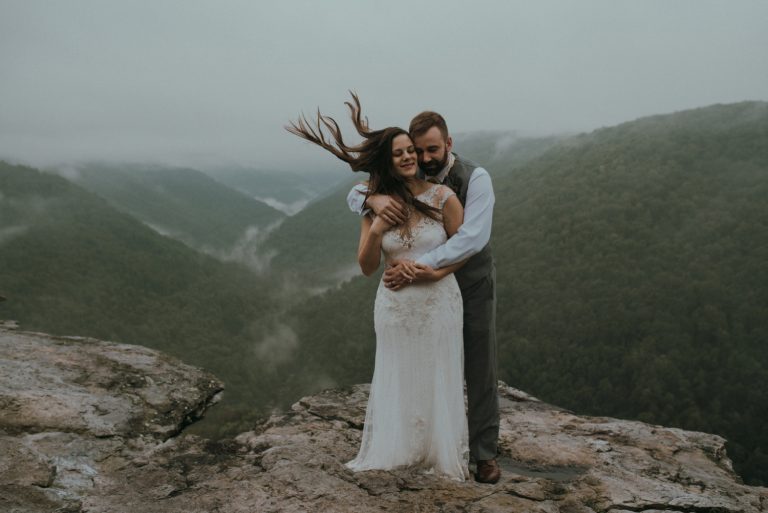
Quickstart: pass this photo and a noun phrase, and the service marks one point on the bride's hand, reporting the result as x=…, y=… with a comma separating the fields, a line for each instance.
x=406, y=272
x=399, y=274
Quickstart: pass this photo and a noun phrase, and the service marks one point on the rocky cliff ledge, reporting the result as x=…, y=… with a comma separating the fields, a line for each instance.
x=91, y=426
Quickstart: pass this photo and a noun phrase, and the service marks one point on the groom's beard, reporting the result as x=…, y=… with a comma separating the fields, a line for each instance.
x=434, y=166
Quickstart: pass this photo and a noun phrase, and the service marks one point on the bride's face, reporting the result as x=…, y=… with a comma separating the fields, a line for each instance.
x=404, y=156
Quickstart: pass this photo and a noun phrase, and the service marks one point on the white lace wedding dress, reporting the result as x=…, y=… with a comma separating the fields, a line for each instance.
x=415, y=414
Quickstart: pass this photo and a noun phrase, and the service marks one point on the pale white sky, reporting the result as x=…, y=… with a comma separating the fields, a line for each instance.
x=212, y=82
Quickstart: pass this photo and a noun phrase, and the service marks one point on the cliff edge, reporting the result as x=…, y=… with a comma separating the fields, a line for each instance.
x=93, y=426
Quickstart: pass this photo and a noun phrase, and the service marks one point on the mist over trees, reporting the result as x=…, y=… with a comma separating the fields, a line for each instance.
x=184, y=204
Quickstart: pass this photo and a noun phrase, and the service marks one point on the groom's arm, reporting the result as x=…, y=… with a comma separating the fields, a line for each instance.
x=356, y=199
x=475, y=232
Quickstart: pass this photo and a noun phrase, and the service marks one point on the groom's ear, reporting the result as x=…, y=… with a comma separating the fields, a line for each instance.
x=448, y=143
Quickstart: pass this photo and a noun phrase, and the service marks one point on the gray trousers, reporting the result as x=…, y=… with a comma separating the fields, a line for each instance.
x=481, y=367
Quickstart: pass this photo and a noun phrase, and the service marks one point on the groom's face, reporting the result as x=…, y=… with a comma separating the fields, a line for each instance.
x=432, y=150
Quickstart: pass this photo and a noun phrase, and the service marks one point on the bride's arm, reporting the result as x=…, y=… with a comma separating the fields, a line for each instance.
x=369, y=249
x=453, y=215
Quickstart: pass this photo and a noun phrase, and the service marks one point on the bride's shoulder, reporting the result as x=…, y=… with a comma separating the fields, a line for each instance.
x=438, y=194
x=444, y=192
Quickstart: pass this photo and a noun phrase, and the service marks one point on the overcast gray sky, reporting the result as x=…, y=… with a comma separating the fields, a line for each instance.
x=205, y=82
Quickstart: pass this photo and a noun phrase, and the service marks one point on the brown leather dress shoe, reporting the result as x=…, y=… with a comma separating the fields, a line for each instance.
x=488, y=471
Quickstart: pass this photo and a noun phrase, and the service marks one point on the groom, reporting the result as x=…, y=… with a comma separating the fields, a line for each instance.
x=477, y=278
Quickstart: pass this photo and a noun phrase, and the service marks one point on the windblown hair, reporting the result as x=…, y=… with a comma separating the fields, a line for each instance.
x=373, y=155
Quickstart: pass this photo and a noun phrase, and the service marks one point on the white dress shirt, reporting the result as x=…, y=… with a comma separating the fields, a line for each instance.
x=473, y=234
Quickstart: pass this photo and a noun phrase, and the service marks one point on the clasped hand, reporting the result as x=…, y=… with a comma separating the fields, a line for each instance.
x=401, y=273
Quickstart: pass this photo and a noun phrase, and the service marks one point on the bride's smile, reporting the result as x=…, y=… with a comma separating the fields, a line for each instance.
x=404, y=156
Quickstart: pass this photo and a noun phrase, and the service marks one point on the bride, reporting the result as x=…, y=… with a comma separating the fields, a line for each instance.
x=415, y=414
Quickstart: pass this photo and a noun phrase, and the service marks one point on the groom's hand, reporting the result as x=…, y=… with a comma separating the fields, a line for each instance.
x=405, y=273
x=390, y=208
x=426, y=273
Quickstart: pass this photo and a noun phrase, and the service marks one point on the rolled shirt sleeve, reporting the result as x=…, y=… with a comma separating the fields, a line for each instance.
x=475, y=232
x=356, y=199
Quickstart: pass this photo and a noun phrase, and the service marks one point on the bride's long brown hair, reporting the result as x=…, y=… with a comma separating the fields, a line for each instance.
x=373, y=155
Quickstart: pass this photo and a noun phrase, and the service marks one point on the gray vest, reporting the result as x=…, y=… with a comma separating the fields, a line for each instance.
x=479, y=265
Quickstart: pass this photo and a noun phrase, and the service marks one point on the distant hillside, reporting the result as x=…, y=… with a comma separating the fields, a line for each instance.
x=182, y=203
x=501, y=151
x=319, y=244
x=72, y=264
x=287, y=191
x=632, y=279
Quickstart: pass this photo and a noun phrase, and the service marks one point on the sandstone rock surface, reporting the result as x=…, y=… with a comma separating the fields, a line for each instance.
x=90, y=426
x=72, y=407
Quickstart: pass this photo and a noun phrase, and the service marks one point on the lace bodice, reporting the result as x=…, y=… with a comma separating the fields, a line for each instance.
x=420, y=233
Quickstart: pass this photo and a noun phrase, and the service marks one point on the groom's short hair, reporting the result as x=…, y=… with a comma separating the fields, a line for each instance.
x=426, y=120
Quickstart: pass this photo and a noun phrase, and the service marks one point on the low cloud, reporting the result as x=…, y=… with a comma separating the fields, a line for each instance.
x=9, y=232
x=68, y=171
x=286, y=208
x=277, y=345
x=165, y=232
x=29, y=210
x=247, y=249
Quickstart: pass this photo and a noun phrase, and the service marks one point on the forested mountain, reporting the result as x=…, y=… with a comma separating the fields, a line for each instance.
x=72, y=264
x=632, y=279
x=182, y=203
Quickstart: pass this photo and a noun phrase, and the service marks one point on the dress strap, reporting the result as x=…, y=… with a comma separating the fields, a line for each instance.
x=443, y=194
